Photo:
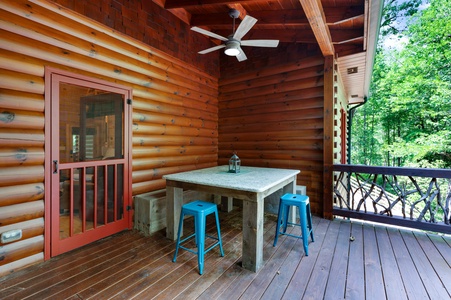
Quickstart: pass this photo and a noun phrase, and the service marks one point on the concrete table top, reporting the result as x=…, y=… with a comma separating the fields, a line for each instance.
x=252, y=179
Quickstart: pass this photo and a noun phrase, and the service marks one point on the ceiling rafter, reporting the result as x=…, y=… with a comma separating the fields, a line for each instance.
x=315, y=14
x=341, y=36
x=239, y=8
x=180, y=13
x=338, y=15
x=283, y=17
x=188, y=3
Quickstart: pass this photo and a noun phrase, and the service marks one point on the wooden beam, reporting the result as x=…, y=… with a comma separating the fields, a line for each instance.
x=187, y=3
x=343, y=35
x=338, y=15
x=239, y=8
x=182, y=14
x=292, y=17
x=315, y=14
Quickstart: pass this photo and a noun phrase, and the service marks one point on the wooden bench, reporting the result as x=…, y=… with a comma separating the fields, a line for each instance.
x=150, y=209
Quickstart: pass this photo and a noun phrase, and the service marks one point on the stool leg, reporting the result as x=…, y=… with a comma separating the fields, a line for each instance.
x=309, y=219
x=200, y=240
x=286, y=213
x=219, y=233
x=279, y=218
x=178, y=237
x=303, y=220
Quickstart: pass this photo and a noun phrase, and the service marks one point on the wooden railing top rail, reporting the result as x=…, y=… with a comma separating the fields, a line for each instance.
x=421, y=172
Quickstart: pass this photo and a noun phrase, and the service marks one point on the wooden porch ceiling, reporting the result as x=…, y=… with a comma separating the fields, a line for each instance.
x=339, y=27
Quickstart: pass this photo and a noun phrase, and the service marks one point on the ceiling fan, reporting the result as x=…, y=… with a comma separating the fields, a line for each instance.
x=233, y=42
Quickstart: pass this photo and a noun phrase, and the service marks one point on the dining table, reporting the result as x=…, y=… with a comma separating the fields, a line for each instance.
x=250, y=184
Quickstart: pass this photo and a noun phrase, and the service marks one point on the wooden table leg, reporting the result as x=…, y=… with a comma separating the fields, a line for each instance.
x=174, y=201
x=226, y=203
x=253, y=234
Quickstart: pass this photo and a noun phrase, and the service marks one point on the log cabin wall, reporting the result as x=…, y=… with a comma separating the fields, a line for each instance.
x=271, y=113
x=175, y=107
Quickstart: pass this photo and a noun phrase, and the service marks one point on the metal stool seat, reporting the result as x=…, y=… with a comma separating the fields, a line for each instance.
x=200, y=210
x=302, y=202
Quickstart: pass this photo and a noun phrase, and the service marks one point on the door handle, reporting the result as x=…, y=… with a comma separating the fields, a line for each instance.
x=55, y=167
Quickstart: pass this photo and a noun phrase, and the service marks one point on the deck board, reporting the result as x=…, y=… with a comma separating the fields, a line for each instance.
x=337, y=278
x=381, y=263
x=394, y=287
x=374, y=283
x=409, y=274
x=300, y=279
x=425, y=269
x=355, y=285
x=438, y=262
x=320, y=273
x=287, y=269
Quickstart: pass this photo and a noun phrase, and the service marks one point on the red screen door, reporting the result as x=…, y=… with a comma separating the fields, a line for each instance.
x=90, y=165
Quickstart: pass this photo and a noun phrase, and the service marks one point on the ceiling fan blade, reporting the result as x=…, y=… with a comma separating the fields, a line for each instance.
x=209, y=33
x=211, y=49
x=241, y=56
x=244, y=27
x=260, y=43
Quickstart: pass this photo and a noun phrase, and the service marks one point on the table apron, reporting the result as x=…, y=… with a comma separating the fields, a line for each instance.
x=231, y=192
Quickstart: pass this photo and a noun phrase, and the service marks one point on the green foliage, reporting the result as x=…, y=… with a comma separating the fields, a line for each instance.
x=407, y=120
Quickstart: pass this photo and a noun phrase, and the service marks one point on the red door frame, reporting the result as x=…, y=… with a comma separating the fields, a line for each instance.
x=53, y=196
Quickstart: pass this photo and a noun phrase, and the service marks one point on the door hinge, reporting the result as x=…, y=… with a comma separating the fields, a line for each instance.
x=129, y=208
x=129, y=101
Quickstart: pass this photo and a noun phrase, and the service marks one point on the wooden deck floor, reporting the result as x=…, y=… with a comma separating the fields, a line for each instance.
x=381, y=263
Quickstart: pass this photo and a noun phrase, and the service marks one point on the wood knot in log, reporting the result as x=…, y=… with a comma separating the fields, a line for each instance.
x=7, y=117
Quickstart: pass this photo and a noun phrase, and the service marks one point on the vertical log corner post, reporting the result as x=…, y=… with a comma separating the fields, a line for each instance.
x=328, y=149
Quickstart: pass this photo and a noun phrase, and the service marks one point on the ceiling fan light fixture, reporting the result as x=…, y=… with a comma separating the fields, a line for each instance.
x=232, y=48
x=232, y=51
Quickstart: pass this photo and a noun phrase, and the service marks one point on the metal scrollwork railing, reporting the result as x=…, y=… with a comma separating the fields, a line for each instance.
x=419, y=198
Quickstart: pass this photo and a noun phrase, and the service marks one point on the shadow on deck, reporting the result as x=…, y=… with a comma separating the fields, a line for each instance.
x=351, y=260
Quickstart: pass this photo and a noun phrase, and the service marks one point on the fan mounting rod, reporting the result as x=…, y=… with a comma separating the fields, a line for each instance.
x=234, y=14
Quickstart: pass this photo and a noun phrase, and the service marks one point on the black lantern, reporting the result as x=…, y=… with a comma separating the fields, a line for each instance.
x=234, y=164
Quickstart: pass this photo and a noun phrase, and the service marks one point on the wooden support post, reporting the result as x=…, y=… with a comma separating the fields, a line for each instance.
x=328, y=147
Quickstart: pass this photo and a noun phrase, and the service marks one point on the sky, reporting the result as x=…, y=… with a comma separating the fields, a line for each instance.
x=397, y=42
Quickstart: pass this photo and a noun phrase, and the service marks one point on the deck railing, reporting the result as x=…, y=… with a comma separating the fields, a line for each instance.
x=410, y=197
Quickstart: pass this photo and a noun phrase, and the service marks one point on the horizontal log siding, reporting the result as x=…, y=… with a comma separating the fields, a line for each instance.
x=273, y=117
x=175, y=109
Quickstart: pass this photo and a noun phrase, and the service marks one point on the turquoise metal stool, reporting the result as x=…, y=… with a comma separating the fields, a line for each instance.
x=305, y=217
x=200, y=210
